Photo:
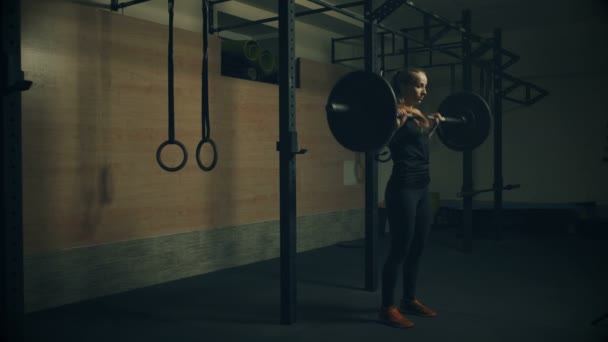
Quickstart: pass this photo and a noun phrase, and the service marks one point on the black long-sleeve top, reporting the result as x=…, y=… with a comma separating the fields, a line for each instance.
x=409, y=149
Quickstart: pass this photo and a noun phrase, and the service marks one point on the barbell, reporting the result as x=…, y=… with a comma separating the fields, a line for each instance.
x=362, y=111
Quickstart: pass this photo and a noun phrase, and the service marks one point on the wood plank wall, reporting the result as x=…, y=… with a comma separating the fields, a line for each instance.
x=98, y=111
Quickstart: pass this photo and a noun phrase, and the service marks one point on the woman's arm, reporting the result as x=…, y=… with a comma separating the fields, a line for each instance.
x=436, y=119
x=401, y=117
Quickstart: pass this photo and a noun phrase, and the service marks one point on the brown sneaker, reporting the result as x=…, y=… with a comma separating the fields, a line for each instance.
x=391, y=316
x=417, y=308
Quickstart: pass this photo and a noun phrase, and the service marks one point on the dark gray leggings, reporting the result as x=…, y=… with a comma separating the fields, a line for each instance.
x=409, y=215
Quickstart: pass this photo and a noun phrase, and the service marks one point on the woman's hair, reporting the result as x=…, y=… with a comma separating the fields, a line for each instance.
x=406, y=77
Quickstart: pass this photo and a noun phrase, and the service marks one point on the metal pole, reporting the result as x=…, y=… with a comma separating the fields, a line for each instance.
x=406, y=44
x=371, y=167
x=434, y=47
x=427, y=33
x=382, y=56
x=287, y=145
x=467, y=156
x=363, y=57
x=347, y=38
x=497, y=97
x=452, y=77
x=11, y=244
x=418, y=28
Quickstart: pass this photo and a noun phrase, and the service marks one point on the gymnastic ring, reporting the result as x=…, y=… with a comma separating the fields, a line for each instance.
x=198, y=154
x=160, y=149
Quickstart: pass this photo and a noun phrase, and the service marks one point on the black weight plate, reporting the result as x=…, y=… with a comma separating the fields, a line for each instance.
x=369, y=122
x=475, y=130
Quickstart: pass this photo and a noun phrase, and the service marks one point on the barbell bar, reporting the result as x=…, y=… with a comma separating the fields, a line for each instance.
x=362, y=108
x=344, y=108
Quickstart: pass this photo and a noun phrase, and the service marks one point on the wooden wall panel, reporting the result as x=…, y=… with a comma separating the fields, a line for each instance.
x=98, y=111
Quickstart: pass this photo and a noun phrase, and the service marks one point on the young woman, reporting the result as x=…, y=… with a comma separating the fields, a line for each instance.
x=407, y=198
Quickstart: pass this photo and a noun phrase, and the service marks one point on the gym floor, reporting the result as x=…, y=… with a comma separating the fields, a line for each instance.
x=525, y=287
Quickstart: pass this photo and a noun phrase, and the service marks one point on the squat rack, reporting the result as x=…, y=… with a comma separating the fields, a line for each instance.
x=472, y=50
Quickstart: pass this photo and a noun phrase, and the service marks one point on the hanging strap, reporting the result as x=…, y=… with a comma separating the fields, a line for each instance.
x=206, y=127
x=171, y=116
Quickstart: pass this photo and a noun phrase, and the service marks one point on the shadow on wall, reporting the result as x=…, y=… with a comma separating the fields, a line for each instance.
x=95, y=185
x=94, y=188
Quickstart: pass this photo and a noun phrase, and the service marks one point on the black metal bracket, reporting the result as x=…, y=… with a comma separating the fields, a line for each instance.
x=532, y=92
x=387, y=8
x=292, y=144
x=438, y=35
x=22, y=85
x=115, y=5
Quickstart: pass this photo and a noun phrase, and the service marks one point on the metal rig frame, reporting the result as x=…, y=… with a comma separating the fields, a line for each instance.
x=473, y=50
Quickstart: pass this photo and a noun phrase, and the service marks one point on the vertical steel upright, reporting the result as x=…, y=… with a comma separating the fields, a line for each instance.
x=467, y=155
x=11, y=248
x=426, y=22
x=497, y=110
x=382, y=57
x=406, y=46
x=287, y=146
x=452, y=78
x=371, y=165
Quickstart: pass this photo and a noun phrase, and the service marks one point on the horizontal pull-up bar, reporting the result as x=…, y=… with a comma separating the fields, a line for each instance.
x=350, y=59
x=434, y=46
x=338, y=9
x=429, y=66
x=401, y=52
x=359, y=36
x=115, y=6
x=418, y=28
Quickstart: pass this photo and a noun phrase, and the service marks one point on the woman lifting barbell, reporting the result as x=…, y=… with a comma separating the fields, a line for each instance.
x=407, y=198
